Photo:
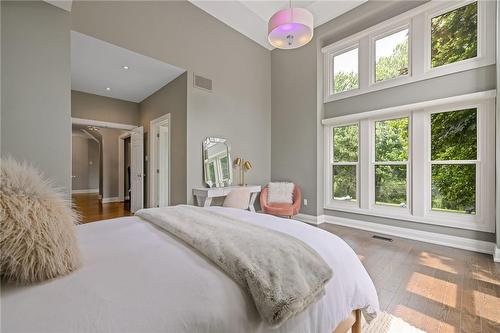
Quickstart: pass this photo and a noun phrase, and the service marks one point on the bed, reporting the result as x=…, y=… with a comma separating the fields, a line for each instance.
x=138, y=278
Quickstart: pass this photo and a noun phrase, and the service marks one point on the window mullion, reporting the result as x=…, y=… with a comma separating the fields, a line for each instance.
x=420, y=188
x=365, y=157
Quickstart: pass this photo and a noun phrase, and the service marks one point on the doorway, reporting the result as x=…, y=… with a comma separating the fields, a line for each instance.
x=99, y=156
x=159, y=193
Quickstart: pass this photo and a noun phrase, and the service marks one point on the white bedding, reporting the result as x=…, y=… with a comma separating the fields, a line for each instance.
x=137, y=278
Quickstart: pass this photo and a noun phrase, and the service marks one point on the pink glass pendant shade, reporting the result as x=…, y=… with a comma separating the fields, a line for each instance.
x=290, y=28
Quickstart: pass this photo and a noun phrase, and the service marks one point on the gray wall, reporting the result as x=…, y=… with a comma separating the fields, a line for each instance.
x=498, y=135
x=172, y=99
x=35, y=47
x=110, y=161
x=90, y=106
x=183, y=35
x=297, y=106
x=80, y=163
x=85, y=163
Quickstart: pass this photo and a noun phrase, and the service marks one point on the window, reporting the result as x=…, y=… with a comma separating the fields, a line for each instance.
x=391, y=162
x=428, y=162
x=391, y=56
x=345, y=71
x=345, y=162
x=453, y=161
x=435, y=39
x=454, y=35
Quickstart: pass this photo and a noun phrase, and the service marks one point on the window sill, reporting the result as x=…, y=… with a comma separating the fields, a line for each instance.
x=446, y=220
x=433, y=73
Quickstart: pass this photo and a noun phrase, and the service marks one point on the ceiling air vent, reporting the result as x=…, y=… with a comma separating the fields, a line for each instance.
x=202, y=82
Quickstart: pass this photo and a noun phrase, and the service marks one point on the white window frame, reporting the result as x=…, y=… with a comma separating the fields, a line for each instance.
x=483, y=38
x=387, y=209
x=419, y=39
x=405, y=24
x=331, y=82
x=419, y=163
x=332, y=163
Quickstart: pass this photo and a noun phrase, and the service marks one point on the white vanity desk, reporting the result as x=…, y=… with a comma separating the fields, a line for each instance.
x=204, y=195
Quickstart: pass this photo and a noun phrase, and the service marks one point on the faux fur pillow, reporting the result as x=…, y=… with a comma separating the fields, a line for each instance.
x=238, y=198
x=281, y=192
x=37, y=240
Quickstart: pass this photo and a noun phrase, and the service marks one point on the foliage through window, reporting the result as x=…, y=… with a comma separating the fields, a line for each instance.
x=391, y=56
x=345, y=71
x=345, y=162
x=454, y=138
x=391, y=162
x=454, y=35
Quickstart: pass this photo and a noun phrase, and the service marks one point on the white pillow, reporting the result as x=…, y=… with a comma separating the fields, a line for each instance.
x=238, y=198
x=281, y=192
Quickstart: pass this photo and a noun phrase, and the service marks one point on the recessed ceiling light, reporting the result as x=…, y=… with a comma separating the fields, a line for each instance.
x=108, y=88
x=125, y=67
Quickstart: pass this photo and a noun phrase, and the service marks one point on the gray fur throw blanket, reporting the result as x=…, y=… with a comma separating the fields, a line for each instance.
x=282, y=274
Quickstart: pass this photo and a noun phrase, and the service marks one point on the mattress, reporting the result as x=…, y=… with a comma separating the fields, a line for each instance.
x=137, y=278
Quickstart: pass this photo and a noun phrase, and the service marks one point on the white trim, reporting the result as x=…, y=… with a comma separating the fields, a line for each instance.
x=418, y=235
x=111, y=199
x=121, y=164
x=89, y=190
x=409, y=107
x=98, y=123
x=309, y=219
x=419, y=69
x=152, y=158
x=496, y=255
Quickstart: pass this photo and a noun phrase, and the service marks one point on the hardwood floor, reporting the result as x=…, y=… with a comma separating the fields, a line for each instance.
x=91, y=209
x=434, y=288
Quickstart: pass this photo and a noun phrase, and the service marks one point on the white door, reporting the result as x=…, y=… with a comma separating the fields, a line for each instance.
x=137, y=169
x=163, y=167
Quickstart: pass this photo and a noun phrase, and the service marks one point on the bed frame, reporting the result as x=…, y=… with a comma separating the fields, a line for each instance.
x=352, y=322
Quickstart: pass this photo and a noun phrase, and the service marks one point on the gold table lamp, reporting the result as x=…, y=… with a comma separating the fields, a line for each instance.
x=244, y=167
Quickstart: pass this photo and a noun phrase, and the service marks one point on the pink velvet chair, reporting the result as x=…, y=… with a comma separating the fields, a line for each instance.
x=281, y=209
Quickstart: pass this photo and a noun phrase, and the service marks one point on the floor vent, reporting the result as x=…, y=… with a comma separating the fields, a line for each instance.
x=387, y=239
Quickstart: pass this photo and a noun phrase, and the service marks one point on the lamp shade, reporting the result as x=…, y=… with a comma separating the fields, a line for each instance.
x=290, y=28
x=247, y=165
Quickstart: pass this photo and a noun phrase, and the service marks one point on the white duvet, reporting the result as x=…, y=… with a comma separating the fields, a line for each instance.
x=137, y=278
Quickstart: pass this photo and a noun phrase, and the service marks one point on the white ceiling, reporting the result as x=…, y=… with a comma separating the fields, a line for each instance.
x=250, y=17
x=96, y=65
x=63, y=4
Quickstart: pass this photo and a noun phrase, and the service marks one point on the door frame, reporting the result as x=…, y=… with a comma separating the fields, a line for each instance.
x=154, y=126
x=121, y=165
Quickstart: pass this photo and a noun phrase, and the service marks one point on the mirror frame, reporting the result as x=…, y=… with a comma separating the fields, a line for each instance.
x=206, y=144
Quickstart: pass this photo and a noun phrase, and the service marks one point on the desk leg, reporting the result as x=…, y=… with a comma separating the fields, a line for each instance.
x=251, y=206
x=203, y=201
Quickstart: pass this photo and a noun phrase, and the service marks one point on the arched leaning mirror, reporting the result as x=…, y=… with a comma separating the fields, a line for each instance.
x=217, y=168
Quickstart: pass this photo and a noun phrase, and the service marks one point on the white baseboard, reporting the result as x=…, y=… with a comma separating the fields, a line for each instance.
x=310, y=219
x=419, y=235
x=111, y=199
x=90, y=190
x=496, y=255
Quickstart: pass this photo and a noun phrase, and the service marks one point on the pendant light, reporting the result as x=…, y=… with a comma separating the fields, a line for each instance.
x=290, y=28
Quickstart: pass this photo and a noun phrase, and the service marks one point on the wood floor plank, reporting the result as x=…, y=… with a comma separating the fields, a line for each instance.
x=434, y=288
x=90, y=208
